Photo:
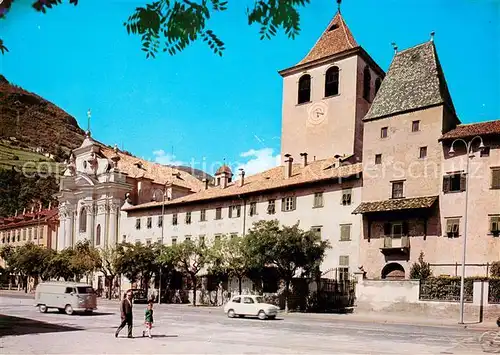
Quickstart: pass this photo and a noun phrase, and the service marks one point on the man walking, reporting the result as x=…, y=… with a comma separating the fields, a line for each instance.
x=126, y=314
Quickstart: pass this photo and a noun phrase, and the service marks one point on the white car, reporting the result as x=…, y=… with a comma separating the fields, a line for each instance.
x=250, y=305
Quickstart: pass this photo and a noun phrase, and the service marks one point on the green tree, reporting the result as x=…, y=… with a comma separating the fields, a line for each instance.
x=232, y=257
x=138, y=261
x=166, y=260
x=420, y=270
x=109, y=266
x=86, y=259
x=61, y=266
x=172, y=25
x=190, y=259
x=126, y=262
x=289, y=249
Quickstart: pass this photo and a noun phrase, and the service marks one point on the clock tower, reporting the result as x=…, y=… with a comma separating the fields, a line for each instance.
x=326, y=95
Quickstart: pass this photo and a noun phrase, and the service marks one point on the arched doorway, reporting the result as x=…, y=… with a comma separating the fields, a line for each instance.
x=393, y=271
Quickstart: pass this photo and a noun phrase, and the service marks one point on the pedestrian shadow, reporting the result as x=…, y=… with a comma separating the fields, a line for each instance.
x=10, y=325
x=164, y=336
x=94, y=314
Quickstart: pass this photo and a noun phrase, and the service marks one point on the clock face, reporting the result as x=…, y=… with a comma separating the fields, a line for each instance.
x=317, y=113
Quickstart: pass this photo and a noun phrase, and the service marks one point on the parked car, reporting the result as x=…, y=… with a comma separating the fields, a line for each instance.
x=139, y=296
x=67, y=297
x=250, y=305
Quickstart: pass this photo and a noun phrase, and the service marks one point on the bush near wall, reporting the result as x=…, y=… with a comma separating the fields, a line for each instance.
x=494, y=290
x=446, y=288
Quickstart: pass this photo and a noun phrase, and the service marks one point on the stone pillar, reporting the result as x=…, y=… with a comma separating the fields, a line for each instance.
x=113, y=219
x=71, y=229
x=89, y=231
x=67, y=230
x=62, y=228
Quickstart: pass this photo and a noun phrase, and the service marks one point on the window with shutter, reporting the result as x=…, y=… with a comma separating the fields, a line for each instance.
x=288, y=204
x=149, y=222
x=446, y=183
x=316, y=230
x=174, y=219
x=318, y=200
x=454, y=182
x=271, y=207
x=188, y=217
x=218, y=213
x=346, y=197
x=495, y=178
x=452, y=227
x=345, y=232
x=396, y=230
x=344, y=260
x=463, y=182
x=495, y=224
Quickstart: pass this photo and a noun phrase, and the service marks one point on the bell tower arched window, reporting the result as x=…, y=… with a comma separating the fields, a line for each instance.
x=83, y=220
x=378, y=82
x=367, y=79
x=98, y=235
x=304, y=89
x=332, y=81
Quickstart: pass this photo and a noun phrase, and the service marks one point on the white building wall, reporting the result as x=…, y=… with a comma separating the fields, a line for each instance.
x=329, y=217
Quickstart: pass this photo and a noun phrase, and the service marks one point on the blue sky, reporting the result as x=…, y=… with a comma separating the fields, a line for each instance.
x=207, y=108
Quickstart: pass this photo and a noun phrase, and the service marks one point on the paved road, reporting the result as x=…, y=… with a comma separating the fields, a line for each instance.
x=183, y=330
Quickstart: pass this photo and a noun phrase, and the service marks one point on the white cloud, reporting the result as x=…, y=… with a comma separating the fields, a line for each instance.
x=259, y=160
x=166, y=159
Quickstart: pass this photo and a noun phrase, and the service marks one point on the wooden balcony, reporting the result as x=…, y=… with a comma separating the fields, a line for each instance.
x=396, y=245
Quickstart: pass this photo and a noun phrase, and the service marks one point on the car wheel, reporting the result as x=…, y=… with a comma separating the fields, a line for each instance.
x=231, y=313
x=42, y=308
x=262, y=315
x=68, y=309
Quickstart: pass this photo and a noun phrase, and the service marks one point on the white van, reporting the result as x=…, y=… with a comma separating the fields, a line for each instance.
x=65, y=296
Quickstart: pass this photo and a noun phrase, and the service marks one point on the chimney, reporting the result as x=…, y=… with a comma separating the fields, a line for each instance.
x=304, y=159
x=288, y=166
x=205, y=182
x=242, y=177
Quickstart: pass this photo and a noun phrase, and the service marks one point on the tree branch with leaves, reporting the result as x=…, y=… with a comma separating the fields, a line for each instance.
x=172, y=25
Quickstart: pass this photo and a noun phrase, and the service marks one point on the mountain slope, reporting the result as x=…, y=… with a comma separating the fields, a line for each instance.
x=36, y=122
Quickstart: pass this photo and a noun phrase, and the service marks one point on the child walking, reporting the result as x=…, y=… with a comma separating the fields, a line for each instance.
x=148, y=320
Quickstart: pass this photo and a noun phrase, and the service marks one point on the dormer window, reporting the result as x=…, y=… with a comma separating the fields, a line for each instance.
x=304, y=89
x=332, y=81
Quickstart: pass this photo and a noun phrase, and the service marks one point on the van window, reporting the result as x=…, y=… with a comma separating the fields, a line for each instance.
x=69, y=290
x=85, y=290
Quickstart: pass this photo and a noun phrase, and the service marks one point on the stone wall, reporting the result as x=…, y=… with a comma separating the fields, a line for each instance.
x=402, y=297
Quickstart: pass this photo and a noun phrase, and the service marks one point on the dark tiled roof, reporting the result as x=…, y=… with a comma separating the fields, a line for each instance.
x=335, y=39
x=473, y=129
x=415, y=80
x=396, y=204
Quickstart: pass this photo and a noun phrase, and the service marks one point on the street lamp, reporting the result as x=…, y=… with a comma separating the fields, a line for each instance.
x=164, y=193
x=468, y=146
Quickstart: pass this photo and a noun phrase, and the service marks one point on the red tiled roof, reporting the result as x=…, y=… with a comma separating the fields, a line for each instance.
x=28, y=218
x=319, y=170
x=335, y=39
x=224, y=169
x=473, y=129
